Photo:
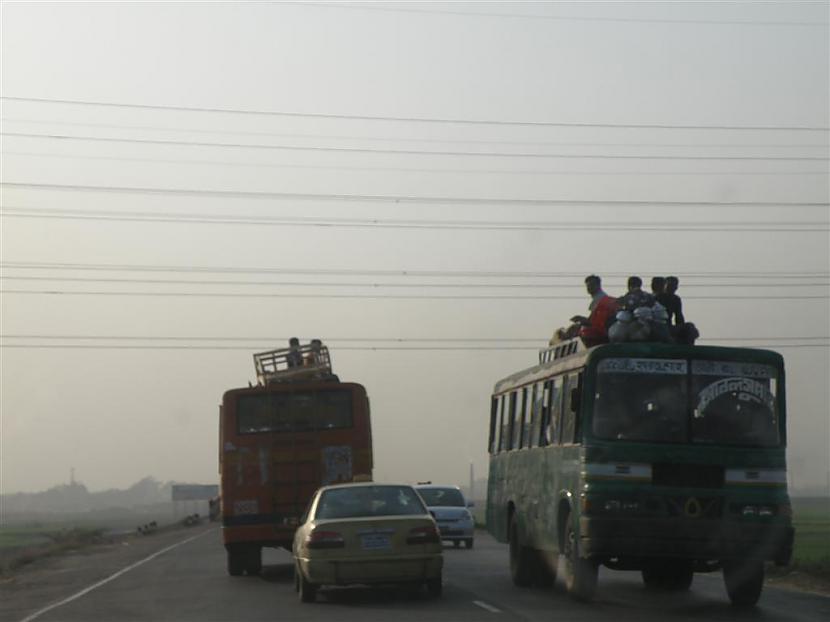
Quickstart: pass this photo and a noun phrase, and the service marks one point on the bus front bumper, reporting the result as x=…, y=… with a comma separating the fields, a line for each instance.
x=604, y=538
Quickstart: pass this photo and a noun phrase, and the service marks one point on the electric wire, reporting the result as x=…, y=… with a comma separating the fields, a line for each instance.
x=401, y=169
x=378, y=223
x=428, y=120
x=400, y=199
x=417, y=152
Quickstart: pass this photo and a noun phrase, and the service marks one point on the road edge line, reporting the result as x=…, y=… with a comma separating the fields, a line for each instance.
x=112, y=577
x=483, y=605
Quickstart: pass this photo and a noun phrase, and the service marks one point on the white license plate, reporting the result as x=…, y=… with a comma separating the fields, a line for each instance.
x=376, y=542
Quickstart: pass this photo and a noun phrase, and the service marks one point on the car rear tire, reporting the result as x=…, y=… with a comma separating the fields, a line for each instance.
x=521, y=557
x=744, y=580
x=435, y=587
x=306, y=589
x=580, y=573
x=468, y=543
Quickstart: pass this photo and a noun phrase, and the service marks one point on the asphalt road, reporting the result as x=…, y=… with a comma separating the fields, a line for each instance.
x=180, y=576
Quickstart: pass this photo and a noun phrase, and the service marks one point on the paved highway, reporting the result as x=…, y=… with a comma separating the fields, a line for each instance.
x=180, y=576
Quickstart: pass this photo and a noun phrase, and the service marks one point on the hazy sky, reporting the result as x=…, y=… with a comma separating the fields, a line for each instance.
x=532, y=133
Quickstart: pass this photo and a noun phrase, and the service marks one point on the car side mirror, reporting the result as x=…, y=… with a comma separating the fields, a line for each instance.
x=471, y=504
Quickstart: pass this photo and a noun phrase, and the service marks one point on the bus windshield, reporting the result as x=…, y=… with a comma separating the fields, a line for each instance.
x=294, y=411
x=658, y=400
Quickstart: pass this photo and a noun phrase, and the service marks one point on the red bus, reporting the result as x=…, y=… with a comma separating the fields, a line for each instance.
x=298, y=429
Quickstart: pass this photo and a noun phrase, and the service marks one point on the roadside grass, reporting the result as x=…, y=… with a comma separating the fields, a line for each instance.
x=22, y=544
x=811, y=519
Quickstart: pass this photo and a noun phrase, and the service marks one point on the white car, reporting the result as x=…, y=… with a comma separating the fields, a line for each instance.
x=447, y=505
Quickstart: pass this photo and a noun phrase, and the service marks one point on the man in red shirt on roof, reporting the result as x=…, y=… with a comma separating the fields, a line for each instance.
x=594, y=328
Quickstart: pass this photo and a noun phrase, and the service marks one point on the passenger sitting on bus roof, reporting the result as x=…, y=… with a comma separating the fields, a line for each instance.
x=658, y=286
x=593, y=328
x=313, y=357
x=635, y=297
x=294, y=358
x=672, y=302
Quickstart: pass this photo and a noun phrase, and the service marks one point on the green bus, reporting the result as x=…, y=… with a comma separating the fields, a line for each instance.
x=667, y=459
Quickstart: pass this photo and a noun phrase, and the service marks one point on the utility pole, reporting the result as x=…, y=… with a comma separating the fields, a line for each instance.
x=472, y=483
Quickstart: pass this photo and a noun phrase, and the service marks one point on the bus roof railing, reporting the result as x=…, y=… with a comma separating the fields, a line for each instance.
x=287, y=364
x=560, y=350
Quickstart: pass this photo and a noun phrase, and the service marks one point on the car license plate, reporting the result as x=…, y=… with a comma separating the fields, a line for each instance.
x=376, y=542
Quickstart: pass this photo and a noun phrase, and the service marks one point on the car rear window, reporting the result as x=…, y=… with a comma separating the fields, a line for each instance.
x=357, y=501
x=442, y=497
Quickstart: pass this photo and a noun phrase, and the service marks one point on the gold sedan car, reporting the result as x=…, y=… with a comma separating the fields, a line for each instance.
x=366, y=534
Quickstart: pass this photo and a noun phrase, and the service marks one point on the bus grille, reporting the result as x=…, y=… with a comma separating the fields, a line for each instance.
x=687, y=475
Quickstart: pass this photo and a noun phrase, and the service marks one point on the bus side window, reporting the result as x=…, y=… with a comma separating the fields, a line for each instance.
x=567, y=431
x=577, y=408
x=540, y=392
x=529, y=416
x=507, y=422
x=554, y=409
x=504, y=428
x=518, y=420
x=571, y=399
x=494, y=412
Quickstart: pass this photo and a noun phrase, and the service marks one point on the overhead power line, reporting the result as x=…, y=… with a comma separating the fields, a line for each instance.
x=64, y=346
x=379, y=223
x=416, y=152
x=410, y=169
x=398, y=198
x=240, y=295
x=420, y=140
x=401, y=119
x=732, y=274
x=563, y=18
x=365, y=339
x=378, y=285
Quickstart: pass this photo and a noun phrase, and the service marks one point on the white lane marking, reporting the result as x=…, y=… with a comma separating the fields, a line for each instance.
x=76, y=596
x=483, y=605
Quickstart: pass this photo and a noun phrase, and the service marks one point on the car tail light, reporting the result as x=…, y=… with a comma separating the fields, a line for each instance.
x=423, y=535
x=319, y=539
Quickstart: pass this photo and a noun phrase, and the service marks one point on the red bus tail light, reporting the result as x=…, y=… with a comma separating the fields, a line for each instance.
x=423, y=535
x=319, y=539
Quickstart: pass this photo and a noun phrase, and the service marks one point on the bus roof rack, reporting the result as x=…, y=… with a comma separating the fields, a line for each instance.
x=560, y=350
x=287, y=365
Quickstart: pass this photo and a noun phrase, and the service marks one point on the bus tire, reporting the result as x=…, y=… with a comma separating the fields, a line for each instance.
x=253, y=561
x=545, y=570
x=580, y=573
x=744, y=580
x=236, y=562
x=521, y=557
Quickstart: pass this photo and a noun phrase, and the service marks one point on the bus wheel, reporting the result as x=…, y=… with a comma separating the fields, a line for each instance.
x=744, y=580
x=521, y=558
x=674, y=575
x=545, y=570
x=580, y=573
x=236, y=562
x=253, y=560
